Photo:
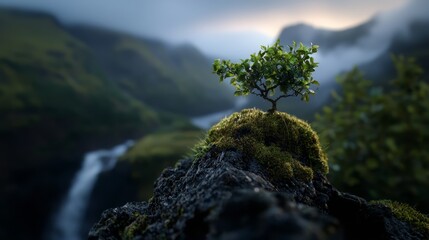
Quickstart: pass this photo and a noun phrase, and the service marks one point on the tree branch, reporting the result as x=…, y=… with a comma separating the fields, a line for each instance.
x=273, y=87
x=264, y=93
x=283, y=96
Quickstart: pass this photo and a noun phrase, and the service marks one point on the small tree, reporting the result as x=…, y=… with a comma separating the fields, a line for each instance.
x=270, y=69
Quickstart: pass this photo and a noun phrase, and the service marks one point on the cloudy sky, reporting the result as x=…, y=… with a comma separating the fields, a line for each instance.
x=226, y=27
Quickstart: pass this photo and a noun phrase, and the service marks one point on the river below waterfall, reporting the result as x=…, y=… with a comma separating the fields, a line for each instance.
x=207, y=121
x=67, y=223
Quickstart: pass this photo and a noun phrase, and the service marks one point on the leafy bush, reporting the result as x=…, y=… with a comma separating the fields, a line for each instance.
x=377, y=139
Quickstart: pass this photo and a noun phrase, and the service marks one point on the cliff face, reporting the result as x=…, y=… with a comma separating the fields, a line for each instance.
x=229, y=194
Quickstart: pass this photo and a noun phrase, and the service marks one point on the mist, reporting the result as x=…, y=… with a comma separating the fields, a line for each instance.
x=222, y=28
x=386, y=27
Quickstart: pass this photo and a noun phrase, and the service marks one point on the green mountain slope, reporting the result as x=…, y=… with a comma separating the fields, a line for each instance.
x=52, y=91
x=67, y=90
x=175, y=79
x=55, y=104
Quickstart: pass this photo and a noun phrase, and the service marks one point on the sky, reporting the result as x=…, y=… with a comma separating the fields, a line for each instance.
x=229, y=28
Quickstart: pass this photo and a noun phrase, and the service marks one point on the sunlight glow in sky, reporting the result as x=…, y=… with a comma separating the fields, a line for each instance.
x=226, y=27
x=321, y=14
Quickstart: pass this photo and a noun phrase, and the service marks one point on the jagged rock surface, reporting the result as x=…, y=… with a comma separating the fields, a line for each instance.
x=227, y=197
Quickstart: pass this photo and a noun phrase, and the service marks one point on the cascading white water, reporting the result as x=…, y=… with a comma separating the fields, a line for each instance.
x=67, y=223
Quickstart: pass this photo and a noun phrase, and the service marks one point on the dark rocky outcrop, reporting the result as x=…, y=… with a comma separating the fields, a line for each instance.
x=228, y=197
x=257, y=176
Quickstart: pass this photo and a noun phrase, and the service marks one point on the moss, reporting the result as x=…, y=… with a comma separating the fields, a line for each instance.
x=285, y=145
x=201, y=148
x=408, y=214
x=138, y=226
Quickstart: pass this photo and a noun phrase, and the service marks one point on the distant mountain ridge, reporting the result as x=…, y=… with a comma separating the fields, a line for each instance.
x=327, y=39
x=414, y=45
x=175, y=79
x=409, y=42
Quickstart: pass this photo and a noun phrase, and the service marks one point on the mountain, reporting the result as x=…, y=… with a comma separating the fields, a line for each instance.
x=65, y=90
x=51, y=84
x=414, y=45
x=55, y=104
x=327, y=39
x=175, y=79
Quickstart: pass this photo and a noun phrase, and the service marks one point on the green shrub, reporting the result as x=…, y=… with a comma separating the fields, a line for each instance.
x=154, y=152
x=377, y=139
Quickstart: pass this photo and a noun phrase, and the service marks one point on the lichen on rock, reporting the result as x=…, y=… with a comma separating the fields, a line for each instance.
x=286, y=146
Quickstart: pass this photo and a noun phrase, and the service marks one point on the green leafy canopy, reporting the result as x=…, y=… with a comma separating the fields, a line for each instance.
x=270, y=69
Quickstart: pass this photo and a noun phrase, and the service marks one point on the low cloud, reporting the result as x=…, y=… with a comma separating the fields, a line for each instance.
x=377, y=41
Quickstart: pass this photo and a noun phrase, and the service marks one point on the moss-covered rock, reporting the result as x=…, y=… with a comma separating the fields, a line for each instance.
x=406, y=213
x=283, y=144
x=250, y=175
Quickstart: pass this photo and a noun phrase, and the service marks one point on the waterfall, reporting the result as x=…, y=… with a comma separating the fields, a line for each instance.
x=68, y=220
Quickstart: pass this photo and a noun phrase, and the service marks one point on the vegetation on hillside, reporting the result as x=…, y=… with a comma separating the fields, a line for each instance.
x=155, y=152
x=53, y=93
x=61, y=87
x=376, y=138
x=173, y=79
x=58, y=100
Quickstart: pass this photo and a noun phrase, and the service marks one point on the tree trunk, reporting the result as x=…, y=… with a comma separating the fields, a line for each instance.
x=273, y=107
